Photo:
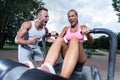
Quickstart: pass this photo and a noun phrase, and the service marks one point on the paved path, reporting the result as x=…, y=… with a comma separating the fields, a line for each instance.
x=100, y=61
x=8, y=54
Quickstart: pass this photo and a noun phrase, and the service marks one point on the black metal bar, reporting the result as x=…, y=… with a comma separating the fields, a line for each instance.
x=44, y=43
x=112, y=52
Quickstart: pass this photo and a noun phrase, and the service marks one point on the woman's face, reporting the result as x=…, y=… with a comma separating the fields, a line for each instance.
x=73, y=18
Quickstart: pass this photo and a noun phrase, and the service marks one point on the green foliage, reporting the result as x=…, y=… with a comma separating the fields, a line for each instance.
x=118, y=51
x=116, y=6
x=104, y=42
x=10, y=48
x=12, y=14
x=118, y=38
x=99, y=43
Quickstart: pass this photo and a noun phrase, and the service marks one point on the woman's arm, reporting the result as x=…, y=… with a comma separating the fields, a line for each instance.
x=63, y=32
x=85, y=31
x=90, y=38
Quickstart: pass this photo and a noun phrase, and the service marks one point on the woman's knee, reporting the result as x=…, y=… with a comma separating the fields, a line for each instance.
x=74, y=40
x=59, y=39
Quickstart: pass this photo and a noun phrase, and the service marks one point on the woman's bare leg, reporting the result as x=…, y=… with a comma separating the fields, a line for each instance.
x=64, y=48
x=70, y=59
x=54, y=51
x=82, y=54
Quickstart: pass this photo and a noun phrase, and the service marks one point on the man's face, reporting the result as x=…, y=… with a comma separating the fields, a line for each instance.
x=43, y=17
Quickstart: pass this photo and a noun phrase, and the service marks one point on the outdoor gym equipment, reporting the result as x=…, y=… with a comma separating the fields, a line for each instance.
x=11, y=70
x=91, y=72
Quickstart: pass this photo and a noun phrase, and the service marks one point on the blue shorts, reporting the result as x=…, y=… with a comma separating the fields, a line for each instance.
x=26, y=53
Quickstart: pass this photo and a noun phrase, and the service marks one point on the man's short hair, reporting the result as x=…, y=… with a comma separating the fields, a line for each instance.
x=40, y=9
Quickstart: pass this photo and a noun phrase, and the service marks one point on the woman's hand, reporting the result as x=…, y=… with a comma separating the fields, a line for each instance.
x=85, y=30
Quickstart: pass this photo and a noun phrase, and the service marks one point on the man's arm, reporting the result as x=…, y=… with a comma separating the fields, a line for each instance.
x=54, y=34
x=22, y=32
x=49, y=39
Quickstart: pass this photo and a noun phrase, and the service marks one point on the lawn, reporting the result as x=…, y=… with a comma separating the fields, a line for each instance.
x=118, y=52
x=16, y=47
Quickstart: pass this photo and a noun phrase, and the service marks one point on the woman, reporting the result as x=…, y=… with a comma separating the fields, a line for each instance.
x=73, y=52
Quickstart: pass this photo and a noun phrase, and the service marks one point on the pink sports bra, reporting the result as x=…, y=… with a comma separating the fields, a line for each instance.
x=77, y=34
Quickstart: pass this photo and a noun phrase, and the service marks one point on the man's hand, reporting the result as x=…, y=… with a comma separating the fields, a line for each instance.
x=33, y=41
x=54, y=34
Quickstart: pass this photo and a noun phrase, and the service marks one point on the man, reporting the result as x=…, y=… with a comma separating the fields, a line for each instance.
x=29, y=36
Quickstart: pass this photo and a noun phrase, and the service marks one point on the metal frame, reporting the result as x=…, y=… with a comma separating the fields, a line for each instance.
x=112, y=51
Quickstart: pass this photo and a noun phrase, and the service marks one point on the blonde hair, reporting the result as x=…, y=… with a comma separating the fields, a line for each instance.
x=73, y=11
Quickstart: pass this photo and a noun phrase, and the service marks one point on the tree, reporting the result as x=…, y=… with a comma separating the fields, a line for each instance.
x=12, y=14
x=116, y=6
x=104, y=42
x=118, y=36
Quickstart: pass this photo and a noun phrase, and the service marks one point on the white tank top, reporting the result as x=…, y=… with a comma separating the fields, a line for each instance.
x=33, y=32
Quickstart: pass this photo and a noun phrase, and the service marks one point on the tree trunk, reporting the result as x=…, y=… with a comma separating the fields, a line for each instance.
x=4, y=33
x=2, y=40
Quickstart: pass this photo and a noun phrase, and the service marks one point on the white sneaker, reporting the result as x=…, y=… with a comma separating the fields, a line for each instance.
x=29, y=64
x=48, y=68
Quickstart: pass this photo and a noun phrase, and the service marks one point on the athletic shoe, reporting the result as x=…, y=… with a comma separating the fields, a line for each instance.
x=48, y=68
x=29, y=64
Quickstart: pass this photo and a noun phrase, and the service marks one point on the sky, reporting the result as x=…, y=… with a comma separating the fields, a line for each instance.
x=94, y=14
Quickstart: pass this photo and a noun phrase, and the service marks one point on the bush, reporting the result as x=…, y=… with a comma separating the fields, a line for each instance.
x=118, y=51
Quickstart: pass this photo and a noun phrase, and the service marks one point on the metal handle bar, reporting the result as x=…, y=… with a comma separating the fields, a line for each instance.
x=112, y=51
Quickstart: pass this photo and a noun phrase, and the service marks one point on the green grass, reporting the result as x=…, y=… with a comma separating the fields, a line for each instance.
x=9, y=48
x=118, y=51
x=16, y=48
